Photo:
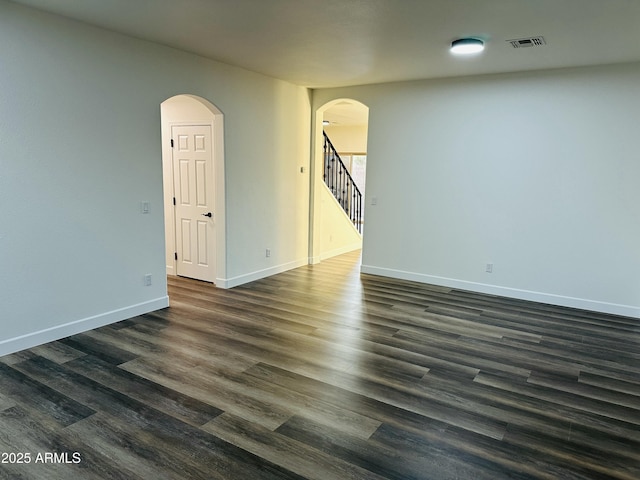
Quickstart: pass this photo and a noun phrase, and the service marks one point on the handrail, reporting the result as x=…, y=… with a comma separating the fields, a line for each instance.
x=339, y=180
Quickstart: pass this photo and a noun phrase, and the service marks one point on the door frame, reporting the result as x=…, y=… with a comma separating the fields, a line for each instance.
x=316, y=229
x=186, y=109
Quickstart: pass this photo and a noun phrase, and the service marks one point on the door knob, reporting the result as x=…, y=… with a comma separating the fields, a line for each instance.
x=208, y=214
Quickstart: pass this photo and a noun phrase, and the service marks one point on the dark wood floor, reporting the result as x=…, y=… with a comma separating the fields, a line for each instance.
x=321, y=373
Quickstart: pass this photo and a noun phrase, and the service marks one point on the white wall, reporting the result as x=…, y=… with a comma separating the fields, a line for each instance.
x=80, y=149
x=348, y=138
x=338, y=234
x=536, y=173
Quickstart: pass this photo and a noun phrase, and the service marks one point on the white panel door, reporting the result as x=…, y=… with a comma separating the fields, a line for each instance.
x=194, y=201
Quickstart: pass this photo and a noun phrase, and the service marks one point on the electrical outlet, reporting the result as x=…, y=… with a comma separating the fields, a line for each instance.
x=267, y=253
x=147, y=280
x=489, y=268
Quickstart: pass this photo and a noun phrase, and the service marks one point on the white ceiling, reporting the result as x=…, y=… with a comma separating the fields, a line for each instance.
x=347, y=113
x=327, y=43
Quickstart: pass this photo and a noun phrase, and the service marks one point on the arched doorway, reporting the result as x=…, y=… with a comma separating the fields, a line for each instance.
x=193, y=183
x=340, y=126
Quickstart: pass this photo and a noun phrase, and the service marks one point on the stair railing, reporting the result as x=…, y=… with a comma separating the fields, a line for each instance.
x=339, y=180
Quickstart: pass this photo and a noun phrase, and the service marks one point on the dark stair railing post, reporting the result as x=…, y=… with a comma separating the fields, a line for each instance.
x=341, y=184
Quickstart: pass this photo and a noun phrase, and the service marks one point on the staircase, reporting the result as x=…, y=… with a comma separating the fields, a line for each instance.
x=344, y=189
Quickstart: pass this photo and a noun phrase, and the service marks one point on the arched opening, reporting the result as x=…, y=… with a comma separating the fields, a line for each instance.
x=339, y=179
x=193, y=183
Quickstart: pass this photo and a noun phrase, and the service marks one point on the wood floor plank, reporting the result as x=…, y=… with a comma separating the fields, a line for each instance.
x=120, y=446
x=200, y=387
x=520, y=462
x=181, y=345
x=352, y=390
x=6, y=402
x=579, y=458
x=250, y=394
x=88, y=345
x=38, y=396
x=26, y=432
x=611, y=384
x=311, y=463
x=57, y=352
x=557, y=421
x=442, y=459
x=200, y=454
x=171, y=402
x=619, y=420
x=397, y=460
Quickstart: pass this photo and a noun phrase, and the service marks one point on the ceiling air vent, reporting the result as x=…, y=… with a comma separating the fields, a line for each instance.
x=527, y=42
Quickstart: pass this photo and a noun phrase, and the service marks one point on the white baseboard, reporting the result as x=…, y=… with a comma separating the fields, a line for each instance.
x=257, y=275
x=341, y=250
x=540, y=297
x=34, y=339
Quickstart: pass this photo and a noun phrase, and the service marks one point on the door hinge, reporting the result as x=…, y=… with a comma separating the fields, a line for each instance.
x=175, y=255
x=174, y=201
x=172, y=143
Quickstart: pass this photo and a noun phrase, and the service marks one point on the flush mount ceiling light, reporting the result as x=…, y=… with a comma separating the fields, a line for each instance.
x=465, y=46
x=326, y=122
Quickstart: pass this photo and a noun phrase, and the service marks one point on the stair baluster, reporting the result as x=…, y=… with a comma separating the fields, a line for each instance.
x=339, y=181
